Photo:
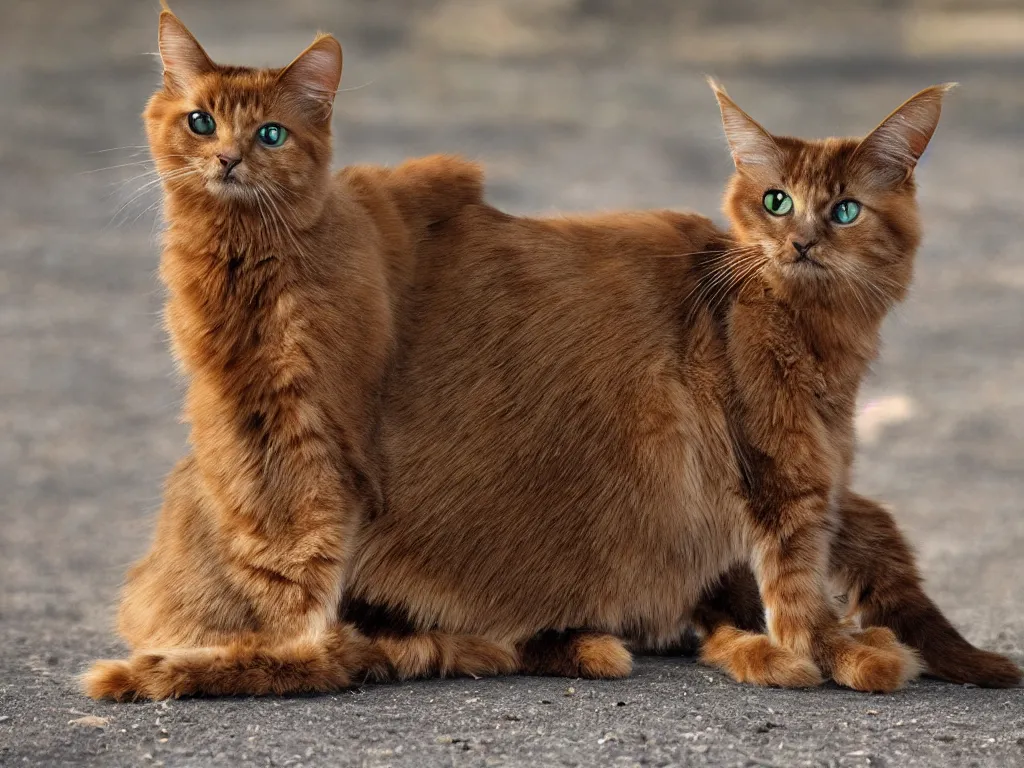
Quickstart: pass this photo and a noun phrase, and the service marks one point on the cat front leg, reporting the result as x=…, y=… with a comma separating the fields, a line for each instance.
x=872, y=565
x=788, y=433
x=790, y=564
x=287, y=501
x=215, y=576
x=730, y=622
x=179, y=594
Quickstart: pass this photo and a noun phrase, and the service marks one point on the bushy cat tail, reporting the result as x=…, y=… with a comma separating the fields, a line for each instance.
x=336, y=659
x=947, y=655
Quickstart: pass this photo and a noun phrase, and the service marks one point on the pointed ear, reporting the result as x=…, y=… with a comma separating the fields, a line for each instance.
x=314, y=76
x=749, y=143
x=891, y=151
x=183, y=57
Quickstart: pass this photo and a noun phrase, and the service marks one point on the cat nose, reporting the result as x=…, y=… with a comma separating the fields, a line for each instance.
x=802, y=248
x=228, y=163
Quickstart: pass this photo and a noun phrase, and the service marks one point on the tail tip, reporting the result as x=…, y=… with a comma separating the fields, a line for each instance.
x=109, y=679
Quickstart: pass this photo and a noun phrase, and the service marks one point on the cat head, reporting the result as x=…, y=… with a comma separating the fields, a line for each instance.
x=834, y=219
x=241, y=137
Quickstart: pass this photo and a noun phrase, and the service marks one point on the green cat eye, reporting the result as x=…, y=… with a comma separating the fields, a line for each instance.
x=777, y=202
x=201, y=123
x=846, y=212
x=272, y=135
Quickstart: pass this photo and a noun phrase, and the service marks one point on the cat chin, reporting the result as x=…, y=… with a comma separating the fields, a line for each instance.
x=802, y=280
x=232, y=191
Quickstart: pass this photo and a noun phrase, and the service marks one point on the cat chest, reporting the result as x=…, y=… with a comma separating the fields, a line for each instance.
x=230, y=311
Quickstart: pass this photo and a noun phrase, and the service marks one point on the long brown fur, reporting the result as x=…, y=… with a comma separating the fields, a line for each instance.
x=285, y=285
x=514, y=443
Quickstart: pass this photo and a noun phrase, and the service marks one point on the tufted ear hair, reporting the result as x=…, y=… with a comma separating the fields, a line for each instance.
x=183, y=57
x=314, y=76
x=891, y=151
x=749, y=143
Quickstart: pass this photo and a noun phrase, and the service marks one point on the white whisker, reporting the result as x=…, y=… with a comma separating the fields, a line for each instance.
x=355, y=88
x=118, y=149
x=147, y=187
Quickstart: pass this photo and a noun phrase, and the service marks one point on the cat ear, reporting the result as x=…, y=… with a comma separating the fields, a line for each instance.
x=892, y=150
x=315, y=74
x=183, y=57
x=749, y=143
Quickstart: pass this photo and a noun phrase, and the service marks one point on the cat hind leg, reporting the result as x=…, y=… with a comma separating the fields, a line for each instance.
x=338, y=658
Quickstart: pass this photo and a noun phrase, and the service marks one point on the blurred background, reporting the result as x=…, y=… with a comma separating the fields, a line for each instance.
x=572, y=105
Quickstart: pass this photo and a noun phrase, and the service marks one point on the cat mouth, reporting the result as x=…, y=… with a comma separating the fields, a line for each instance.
x=809, y=260
x=801, y=263
x=229, y=187
x=227, y=180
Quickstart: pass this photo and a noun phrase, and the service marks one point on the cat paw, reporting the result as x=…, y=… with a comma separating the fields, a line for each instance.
x=753, y=658
x=602, y=657
x=575, y=653
x=876, y=637
x=873, y=660
x=785, y=669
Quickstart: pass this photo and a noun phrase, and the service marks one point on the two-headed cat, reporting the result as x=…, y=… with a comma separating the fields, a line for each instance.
x=429, y=437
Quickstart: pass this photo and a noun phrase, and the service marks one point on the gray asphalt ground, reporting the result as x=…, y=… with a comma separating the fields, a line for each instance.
x=573, y=104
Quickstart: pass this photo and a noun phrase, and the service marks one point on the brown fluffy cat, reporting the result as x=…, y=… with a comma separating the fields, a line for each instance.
x=624, y=428
x=517, y=443
x=284, y=288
